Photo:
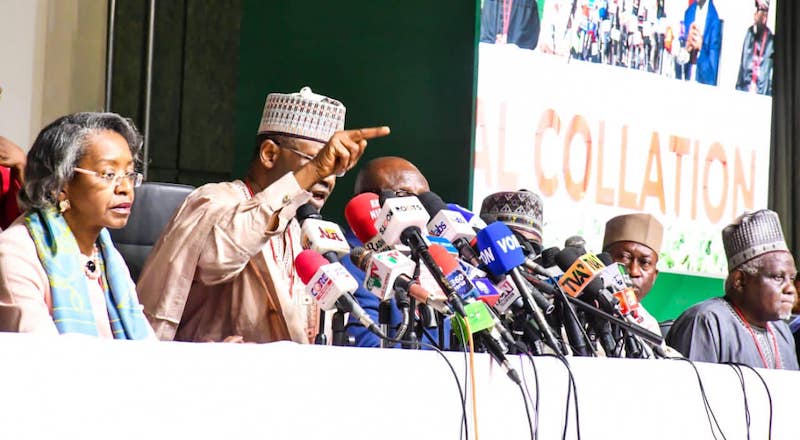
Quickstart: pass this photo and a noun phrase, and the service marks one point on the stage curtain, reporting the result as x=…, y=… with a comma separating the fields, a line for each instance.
x=784, y=188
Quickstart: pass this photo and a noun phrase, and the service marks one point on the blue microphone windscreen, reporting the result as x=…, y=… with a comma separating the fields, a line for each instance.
x=499, y=248
x=461, y=210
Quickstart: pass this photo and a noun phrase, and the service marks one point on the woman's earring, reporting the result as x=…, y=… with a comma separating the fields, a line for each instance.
x=63, y=206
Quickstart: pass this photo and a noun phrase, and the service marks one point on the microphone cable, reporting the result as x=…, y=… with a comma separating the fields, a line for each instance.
x=739, y=375
x=535, y=424
x=709, y=412
x=572, y=390
x=465, y=352
x=527, y=410
x=471, y=344
x=463, y=423
x=738, y=367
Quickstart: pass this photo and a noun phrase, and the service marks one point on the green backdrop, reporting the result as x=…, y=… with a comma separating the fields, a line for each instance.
x=406, y=64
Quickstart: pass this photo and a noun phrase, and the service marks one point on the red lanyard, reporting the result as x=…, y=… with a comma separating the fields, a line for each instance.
x=506, y=15
x=775, y=351
x=278, y=261
x=757, y=60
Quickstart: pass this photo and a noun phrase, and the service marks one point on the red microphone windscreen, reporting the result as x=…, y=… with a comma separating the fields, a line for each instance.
x=361, y=212
x=307, y=263
x=490, y=300
x=443, y=258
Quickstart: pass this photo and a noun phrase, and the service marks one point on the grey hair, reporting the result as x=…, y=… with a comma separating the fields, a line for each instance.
x=60, y=146
x=750, y=267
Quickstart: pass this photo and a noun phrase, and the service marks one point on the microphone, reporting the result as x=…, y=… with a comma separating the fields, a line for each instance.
x=399, y=214
x=502, y=254
x=450, y=268
x=331, y=285
x=571, y=321
x=320, y=235
x=465, y=288
x=474, y=220
x=616, y=279
x=361, y=212
x=580, y=273
x=587, y=278
x=445, y=223
x=391, y=270
x=471, y=283
x=576, y=242
x=548, y=258
x=402, y=219
x=482, y=322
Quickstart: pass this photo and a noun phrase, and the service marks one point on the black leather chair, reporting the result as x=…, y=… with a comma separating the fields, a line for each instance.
x=665, y=326
x=153, y=207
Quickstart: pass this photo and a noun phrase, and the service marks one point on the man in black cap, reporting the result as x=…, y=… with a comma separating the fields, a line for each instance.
x=745, y=325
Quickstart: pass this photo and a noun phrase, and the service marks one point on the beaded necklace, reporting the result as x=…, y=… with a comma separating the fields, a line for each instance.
x=771, y=335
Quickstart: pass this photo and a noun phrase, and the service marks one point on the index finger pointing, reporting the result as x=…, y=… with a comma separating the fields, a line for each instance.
x=368, y=133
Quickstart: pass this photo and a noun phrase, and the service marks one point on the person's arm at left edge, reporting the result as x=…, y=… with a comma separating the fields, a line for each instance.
x=12, y=170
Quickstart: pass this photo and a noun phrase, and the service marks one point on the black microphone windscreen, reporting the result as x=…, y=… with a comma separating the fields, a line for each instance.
x=432, y=202
x=576, y=242
x=566, y=257
x=386, y=194
x=305, y=211
x=527, y=247
x=549, y=256
x=605, y=257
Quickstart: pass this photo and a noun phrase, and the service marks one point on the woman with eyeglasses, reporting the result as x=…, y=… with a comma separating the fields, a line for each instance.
x=59, y=270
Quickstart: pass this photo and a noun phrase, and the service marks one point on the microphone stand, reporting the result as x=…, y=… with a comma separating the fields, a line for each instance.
x=403, y=302
x=321, y=338
x=579, y=341
x=384, y=317
x=646, y=335
x=340, y=337
x=632, y=348
x=440, y=323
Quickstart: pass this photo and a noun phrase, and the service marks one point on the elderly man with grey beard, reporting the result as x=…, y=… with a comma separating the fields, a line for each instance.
x=745, y=325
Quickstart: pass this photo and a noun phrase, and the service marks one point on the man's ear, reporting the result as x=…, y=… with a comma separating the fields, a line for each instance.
x=268, y=153
x=738, y=279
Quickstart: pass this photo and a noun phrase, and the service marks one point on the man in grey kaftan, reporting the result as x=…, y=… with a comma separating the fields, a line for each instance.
x=745, y=326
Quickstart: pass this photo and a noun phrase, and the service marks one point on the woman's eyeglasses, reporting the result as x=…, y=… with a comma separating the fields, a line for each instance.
x=113, y=178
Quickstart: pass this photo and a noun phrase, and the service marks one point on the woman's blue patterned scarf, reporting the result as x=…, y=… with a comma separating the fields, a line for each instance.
x=72, y=311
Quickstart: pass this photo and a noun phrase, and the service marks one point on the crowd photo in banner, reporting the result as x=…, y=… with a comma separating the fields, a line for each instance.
x=621, y=106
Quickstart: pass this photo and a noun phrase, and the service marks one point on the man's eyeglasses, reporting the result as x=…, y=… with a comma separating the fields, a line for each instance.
x=299, y=153
x=113, y=178
x=397, y=192
x=293, y=150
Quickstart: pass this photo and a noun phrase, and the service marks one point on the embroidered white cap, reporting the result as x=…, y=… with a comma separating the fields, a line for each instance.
x=304, y=115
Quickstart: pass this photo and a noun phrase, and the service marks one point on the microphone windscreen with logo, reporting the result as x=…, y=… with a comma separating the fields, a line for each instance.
x=360, y=213
x=307, y=263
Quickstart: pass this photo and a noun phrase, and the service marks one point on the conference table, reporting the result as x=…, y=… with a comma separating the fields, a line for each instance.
x=80, y=387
